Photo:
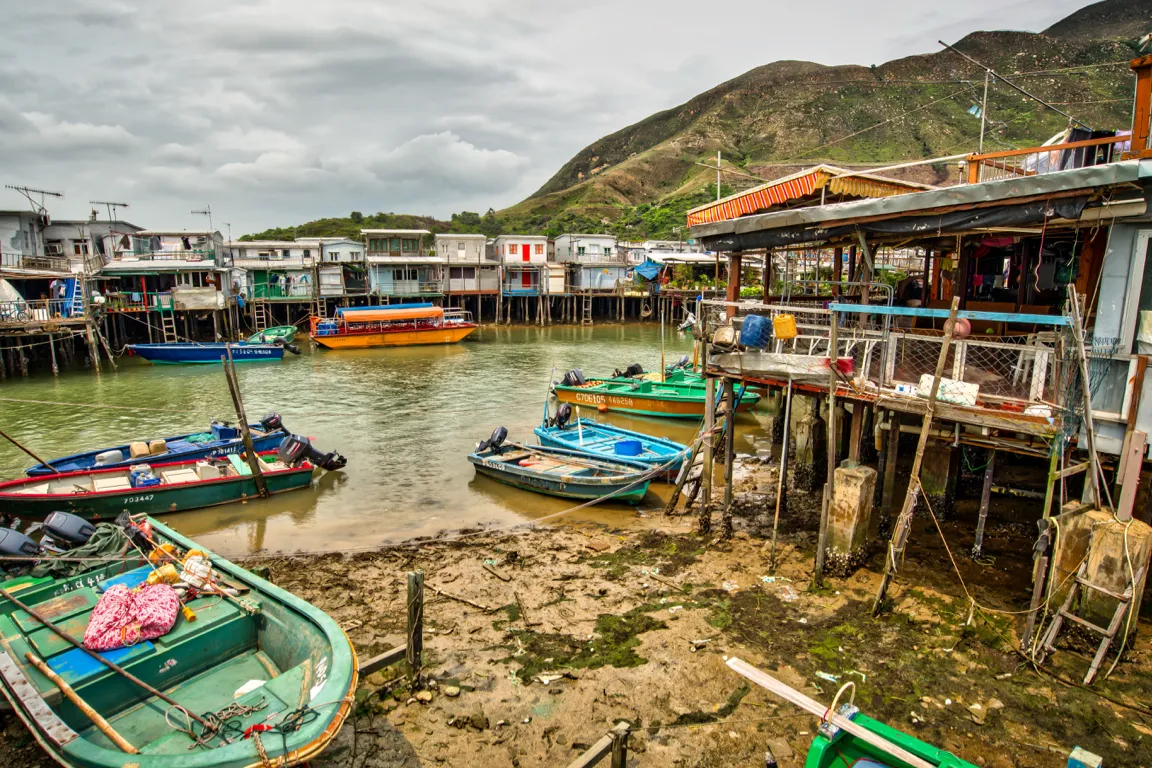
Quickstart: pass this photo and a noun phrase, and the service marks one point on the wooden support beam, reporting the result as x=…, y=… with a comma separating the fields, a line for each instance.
x=729, y=457
x=985, y=500
x=1130, y=475
x=705, y=520
x=415, y=645
x=856, y=435
x=830, y=484
x=386, y=659
x=888, y=497
x=614, y=743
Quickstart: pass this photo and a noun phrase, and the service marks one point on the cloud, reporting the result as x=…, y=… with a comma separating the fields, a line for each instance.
x=442, y=159
x=47, y=133
x=254, y=140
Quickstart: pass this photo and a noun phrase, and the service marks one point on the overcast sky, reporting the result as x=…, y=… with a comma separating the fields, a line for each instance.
x=283, y=111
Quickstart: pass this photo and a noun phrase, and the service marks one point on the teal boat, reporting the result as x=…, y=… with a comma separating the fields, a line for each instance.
x=261, y=658
x=161, y=487
x=608, y=441
x=648, y=398
x=285, y=333
x=560, y=472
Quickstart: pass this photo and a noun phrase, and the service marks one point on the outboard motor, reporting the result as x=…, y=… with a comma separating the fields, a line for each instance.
x=497, y=438
x=290, y=347
x=689, y=322
x=296, y=448
x=15, y=544
x=574, y=378
x=272, y=423
x=632, y=371
x=563, y=415
x=683, y=362
x=68, y=529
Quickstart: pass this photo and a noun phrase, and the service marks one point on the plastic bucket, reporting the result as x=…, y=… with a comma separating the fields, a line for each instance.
x=755, y=332
x=629, y=448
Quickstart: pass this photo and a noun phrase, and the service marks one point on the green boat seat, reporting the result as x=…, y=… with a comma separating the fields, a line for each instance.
x=76, y=666
x=58, y=609
x=239, y=465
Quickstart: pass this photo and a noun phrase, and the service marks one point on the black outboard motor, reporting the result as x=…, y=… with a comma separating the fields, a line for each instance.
x=574, y=378
x=563, y=414
x=683, y=362
x=68, y=529
x=272, y=423
x=497, y=438
x=290, y=347
x=296, y=448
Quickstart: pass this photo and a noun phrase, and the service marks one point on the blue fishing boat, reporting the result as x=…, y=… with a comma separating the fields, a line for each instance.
x=221, y=438
x=559, y=471
x=179, y=353
x=610, y=442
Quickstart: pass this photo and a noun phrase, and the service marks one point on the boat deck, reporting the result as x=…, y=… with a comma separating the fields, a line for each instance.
x=201, y=664
x=119, y=480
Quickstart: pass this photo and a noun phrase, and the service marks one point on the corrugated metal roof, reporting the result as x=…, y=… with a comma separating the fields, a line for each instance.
x=968, y=194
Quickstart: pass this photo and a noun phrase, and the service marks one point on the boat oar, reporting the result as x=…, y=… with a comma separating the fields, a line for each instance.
x=82, y=705
x=38, y=459
x=111, y=665
x=790, y=694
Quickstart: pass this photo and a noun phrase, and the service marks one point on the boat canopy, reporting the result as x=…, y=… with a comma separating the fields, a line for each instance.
x=392, y=315
x=389, y=307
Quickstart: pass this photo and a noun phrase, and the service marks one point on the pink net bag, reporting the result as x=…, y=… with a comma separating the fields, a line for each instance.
x=124, y=617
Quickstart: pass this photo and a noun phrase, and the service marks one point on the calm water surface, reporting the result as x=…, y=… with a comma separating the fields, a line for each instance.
x=405, y=418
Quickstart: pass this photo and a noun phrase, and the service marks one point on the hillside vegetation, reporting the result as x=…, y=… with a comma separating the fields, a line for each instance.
x=778, y=118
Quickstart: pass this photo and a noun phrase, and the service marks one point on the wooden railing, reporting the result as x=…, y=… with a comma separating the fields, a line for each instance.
x=1037, y=161
x=46, y=263
x=14, y=313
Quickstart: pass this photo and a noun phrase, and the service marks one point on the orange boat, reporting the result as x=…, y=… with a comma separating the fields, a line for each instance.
x=401, y=326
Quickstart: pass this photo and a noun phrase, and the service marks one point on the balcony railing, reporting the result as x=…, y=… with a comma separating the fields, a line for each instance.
x=206, y=254
x=279, y=291
x=1037, y=161
x=45, y=263
x=38, y=311
x=409, y=288
x=139, y=302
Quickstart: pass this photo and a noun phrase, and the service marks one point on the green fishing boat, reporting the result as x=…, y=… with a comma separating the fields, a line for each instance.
x=648, y=398
x=847, y=737
x=285, y=333
x=277, y=674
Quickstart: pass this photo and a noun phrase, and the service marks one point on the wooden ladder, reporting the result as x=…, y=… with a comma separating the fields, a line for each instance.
x=168, y=326
x=260, y=315
x=1123, y=605
x=587, y=310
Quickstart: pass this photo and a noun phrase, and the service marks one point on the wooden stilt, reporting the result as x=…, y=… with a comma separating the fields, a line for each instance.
x=891, y=455
x=52, y=351
x=904, y=523
x=704, y=525
x=729, y=457
x=830, y=484
x=856, y=434
x=92, y=351
x=781, y=481
x=985, y=499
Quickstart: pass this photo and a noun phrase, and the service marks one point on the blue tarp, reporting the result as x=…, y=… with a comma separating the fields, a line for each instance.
x=649, y=269
x=415, y=305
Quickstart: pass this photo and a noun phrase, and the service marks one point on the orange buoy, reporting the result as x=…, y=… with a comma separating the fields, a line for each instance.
x=602, y=408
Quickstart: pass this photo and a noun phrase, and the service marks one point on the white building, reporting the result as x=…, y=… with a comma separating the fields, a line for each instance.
x=399, y=265
x=469, y=267
x=520, y=249
x=586, y=249
x=523, y=261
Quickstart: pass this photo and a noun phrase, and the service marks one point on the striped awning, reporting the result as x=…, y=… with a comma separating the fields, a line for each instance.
x=797, y=187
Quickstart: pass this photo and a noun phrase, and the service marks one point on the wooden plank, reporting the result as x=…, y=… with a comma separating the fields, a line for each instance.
x=1130, y=475
x=1045, y=150
x=985, y=500
x=386, y=659
x=1000, y=317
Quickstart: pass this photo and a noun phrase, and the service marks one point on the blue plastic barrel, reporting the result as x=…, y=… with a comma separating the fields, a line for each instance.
x=629, y=448
x=756, y=331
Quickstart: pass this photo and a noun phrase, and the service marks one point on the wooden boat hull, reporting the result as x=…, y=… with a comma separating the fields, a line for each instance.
x=682, y=403
x=300, y=654
x=195, y=354
x=600, y=440
x=626, y=487
x=159, y=499
x=82, y=461
x=411, y=338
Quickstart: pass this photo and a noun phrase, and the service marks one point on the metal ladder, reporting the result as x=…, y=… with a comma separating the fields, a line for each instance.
x=259, y=315
x=587, y=310
x=1124, y=603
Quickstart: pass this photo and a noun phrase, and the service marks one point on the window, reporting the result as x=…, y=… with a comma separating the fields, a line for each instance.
x=511, y=249
x=579, y=250
x=410, y=245
x=607, y=250
x=334, y=255
x=395, y=245
x=307, y=253
x=80, y=248
x=261, y=254
x=462, y=273
x=539, y=250
x=377, y=244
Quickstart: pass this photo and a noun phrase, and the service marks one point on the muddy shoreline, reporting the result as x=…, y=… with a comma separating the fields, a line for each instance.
x=584, y=625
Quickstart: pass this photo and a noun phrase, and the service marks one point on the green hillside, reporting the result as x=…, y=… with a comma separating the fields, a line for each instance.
x=778, y=118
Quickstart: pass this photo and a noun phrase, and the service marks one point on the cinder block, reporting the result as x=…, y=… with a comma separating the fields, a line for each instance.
x=850, y=517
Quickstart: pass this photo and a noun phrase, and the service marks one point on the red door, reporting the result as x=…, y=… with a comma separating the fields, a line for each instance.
x=526, y=255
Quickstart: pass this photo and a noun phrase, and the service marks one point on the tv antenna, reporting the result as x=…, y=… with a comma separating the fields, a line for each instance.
x=38, y=207
x=206, y=211
x=110, y=206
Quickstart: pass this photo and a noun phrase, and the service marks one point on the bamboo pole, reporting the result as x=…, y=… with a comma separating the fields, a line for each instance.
x=783, y=472
x=245, y=433
x=705, y=521
x=82, y=705
x=729, y=457
x=904, y=521
x=1086, y=390
x=830, y=484
x=111, y=665
x=38, y=459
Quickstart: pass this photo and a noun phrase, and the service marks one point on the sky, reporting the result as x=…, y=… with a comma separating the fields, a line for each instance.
x=278, y=112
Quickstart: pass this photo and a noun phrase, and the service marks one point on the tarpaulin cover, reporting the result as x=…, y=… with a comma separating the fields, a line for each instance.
x=649, y=269
x=977, y=218
x=108, y=541
x=391, y=315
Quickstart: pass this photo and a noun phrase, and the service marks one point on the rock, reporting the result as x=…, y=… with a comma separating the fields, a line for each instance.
x=451, y=691
x=262, y=571
x=780, y=748
x=423, y=696
x=478, y=720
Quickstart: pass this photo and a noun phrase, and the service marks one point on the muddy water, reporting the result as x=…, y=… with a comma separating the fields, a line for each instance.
x=405, y=418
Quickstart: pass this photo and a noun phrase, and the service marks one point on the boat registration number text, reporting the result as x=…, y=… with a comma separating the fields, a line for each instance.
x=593, y=398
x=138, y=499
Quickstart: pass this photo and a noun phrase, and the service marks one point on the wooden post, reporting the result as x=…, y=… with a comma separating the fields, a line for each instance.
x=734, y=260
x=855, y=437
x=1130, y=476
x=781, y=481
x=837, y=269
x=93, y=352
x=1040, y=558
x=415, y=621
x=52, y=351
x=888, y=497
x=245, y=433
x=1094, y=472
x=904, y=522
x=985, y=499
x=107, y=350
x=729, y=457
x=705, y=522
x=830, y=484
x=620, y=746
